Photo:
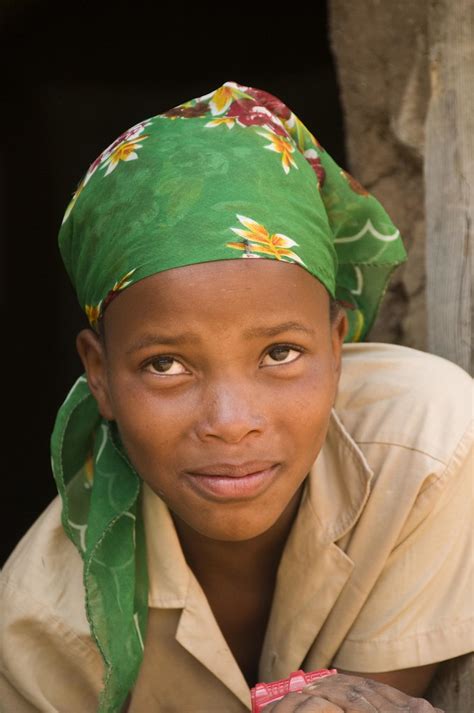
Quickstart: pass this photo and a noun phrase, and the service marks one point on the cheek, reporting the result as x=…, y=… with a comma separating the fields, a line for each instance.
x=308, y=411
x=150, y=428
x=314, y=392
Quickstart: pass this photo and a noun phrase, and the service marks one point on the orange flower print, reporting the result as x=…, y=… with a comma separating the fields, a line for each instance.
x=125, y=151
x=226, y=120
x=119, y=285
x=216, y=102
x=303, y=138
x=244, y=112
x=223, y=97
x=124, y=281
x=281, y=145
x=93, y=314
x=257, y=239
x=119, y=150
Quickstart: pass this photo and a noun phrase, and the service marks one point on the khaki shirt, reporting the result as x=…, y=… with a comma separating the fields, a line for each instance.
x=376, y=574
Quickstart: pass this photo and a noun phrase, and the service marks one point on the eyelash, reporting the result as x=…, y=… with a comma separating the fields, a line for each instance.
x=282, y=347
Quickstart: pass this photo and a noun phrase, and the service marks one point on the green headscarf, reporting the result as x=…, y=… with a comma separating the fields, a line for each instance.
x=230, y=175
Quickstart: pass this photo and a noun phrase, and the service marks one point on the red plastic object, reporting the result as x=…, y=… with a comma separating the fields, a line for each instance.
x=264, y=693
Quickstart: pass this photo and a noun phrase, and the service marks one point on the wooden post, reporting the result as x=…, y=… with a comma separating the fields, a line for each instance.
x=449, y=181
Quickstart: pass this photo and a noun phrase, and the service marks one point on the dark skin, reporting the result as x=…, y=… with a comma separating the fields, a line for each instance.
x=226, y=362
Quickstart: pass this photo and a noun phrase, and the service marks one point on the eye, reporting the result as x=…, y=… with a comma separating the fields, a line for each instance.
x=165, y=366
x=283, y=354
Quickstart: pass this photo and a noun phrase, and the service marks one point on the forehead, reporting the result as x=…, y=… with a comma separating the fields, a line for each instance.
x=223, y=293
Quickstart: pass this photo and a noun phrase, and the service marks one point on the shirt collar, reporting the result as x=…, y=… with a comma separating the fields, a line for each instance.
x=168, y=572
x=339, y=483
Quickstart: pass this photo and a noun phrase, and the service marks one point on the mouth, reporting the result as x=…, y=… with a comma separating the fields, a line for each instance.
x=233, y=482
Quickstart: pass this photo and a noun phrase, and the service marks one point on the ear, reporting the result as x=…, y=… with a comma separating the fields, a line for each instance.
x=92, y=353
x=339, y=328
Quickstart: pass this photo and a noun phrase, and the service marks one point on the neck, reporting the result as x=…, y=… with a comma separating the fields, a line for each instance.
x=253, y=559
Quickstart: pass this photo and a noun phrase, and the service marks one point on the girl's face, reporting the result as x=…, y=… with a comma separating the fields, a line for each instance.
x=221, y=377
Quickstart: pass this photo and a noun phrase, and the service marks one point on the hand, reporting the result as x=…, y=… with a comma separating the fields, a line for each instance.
x=349, y=694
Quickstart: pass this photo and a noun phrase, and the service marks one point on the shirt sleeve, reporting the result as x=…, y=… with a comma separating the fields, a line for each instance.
x=44, y=666
x=420, y=610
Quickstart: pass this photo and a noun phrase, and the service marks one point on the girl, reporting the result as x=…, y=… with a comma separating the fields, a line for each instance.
x=240, y=495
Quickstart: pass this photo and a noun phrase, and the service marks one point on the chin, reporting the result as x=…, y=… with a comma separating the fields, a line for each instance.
x=233, y=529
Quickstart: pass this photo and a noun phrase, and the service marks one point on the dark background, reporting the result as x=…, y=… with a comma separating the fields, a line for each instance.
x=74, y=76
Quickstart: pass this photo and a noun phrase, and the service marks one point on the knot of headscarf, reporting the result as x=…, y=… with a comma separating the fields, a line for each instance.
x=230, y=175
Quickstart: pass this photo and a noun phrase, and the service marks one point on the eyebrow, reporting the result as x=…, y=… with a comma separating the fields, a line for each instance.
x=149, y=340
x=278, y=329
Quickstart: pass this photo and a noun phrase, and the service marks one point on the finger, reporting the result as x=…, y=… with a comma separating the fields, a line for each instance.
x=314, y=704
x=352, y=699
x=300, y=703
x=367, y=695
x=350, y=692
x=401, y=701
x=287, y=704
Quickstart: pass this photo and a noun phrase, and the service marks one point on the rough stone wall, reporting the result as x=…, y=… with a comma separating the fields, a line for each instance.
x=382, y=62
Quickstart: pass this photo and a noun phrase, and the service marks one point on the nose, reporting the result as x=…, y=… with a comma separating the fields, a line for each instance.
x=230, y=412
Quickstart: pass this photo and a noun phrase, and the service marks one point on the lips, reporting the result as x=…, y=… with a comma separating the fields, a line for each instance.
x=227, y=482
x=233, y=471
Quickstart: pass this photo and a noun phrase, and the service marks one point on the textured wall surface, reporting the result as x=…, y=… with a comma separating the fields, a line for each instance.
x=382, y=63
x=406, y=73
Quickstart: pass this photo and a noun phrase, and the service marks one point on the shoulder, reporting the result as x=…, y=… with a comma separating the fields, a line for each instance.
x=47, y=655
x=42, y=579
x=395, y=395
